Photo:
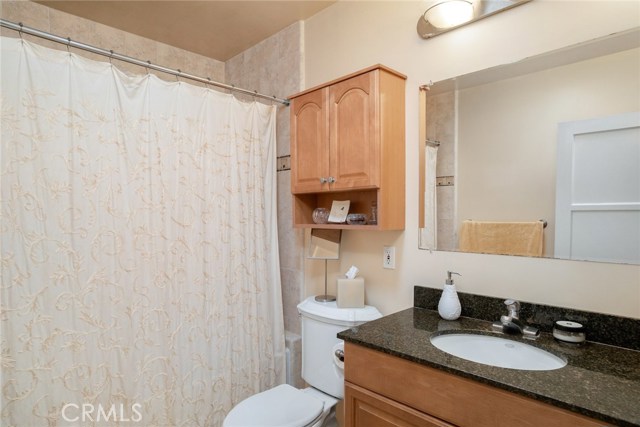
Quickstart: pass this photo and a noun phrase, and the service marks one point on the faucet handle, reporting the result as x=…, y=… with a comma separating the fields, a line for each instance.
x=513, y=306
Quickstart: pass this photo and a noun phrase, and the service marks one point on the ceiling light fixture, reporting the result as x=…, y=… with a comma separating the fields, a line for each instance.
x=446, y=15
x=449, y=13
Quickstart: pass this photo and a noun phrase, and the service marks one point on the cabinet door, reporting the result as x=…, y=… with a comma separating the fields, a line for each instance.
x=309, y=142
x=364, y=408
x=354, y=132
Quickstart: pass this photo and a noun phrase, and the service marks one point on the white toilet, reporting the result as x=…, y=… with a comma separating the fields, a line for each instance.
x=286, y=406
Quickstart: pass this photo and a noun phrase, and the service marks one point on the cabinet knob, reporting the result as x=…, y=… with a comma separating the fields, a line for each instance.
x=331, y=180
x=323, y=180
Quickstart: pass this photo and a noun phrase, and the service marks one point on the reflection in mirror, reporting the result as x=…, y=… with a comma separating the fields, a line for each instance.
x=554, y=137
x=324, y=244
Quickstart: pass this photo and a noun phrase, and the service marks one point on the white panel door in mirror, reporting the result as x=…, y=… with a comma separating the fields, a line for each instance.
x=598, y=189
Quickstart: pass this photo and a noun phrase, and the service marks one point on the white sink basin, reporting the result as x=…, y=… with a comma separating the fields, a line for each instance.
x=496, y=351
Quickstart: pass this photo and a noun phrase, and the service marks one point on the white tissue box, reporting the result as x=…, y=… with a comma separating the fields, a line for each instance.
x=350, y=293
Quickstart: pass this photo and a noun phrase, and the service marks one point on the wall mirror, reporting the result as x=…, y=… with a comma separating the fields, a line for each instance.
x=552, y=139
x=324, y=244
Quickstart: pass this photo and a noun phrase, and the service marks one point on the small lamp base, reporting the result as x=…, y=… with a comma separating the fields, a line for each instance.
x=325, y=298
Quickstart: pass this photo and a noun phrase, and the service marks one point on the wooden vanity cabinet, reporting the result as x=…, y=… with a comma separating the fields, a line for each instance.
x=385, y=391
x=364, y=408
x=347, y=142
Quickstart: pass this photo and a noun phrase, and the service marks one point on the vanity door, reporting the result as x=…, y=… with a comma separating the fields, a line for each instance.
x=367, y=409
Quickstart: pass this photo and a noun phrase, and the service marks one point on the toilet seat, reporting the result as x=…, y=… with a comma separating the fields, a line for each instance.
x=281, y=406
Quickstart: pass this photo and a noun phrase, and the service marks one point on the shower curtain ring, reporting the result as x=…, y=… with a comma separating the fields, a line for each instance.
x=147, y=68
x=178, y=75
x=110, y=57
x=20, y=30
x=209, y=82
x=68, y=45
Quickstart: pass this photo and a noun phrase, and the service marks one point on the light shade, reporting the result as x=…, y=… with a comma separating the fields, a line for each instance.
x=449, y=13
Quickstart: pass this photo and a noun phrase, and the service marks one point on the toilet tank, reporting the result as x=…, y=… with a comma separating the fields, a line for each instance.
x=321, y=322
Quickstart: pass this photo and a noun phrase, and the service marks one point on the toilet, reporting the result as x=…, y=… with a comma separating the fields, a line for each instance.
x=287, y=406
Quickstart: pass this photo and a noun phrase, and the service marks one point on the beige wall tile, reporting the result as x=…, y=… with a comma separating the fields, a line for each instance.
x=273, y=68
x=78, y=29
x=141, y=48
x=290, y=239
x=29, y=13
x=92, y=33
x=291, y=280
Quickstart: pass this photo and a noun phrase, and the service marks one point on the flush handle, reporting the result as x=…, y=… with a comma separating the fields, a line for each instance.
x=340, y=354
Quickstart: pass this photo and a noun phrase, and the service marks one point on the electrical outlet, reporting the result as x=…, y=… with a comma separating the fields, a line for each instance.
x=389, y=257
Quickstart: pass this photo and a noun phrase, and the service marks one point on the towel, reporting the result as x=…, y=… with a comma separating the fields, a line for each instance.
x=504, y=238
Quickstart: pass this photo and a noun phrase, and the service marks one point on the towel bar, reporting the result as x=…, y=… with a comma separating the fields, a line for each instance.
x=543, y=221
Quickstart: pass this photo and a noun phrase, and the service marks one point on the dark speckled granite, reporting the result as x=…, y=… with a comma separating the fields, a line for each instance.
x=602, y=328
x=599, y=381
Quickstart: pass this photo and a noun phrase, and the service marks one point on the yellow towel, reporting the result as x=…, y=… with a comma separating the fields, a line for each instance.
x=504, y=238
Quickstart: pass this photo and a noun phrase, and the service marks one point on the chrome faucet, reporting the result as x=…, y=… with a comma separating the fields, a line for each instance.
x=511, y=323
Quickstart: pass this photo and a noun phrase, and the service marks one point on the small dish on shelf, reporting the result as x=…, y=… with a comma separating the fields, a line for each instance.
x=357, y=219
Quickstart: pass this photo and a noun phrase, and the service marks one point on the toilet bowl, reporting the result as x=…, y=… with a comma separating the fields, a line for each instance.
x=283, y=406
x=322, y=369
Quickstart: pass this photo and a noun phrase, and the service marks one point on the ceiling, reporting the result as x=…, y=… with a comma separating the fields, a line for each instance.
x=218, y=29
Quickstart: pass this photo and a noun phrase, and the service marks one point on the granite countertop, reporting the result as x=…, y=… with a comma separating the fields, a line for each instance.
x=600, y=381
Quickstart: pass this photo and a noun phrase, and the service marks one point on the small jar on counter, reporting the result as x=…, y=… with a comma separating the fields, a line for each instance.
x=568, y=331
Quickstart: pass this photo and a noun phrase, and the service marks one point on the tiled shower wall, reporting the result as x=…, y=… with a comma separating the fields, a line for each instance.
x=83, y=30
x=273, y=67
x=440, y=126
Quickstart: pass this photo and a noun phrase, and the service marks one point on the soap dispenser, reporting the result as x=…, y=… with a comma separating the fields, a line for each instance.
x=449, y=305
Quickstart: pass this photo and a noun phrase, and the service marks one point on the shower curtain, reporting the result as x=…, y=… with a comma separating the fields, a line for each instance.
x=140, y=273
x=429, y=234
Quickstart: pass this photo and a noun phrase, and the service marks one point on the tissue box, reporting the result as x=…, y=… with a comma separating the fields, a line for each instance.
x=350, y=293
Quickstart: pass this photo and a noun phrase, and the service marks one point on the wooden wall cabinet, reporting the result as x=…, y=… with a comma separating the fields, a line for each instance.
x=347, y=143
x=386, y=391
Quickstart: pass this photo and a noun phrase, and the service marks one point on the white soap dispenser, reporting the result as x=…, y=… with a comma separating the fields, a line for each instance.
x=449, y=305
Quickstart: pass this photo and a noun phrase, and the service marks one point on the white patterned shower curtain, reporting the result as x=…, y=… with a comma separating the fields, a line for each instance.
x=140, y=272
x=429, y=234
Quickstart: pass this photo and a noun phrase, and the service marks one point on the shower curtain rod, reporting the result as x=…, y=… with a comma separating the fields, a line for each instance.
x=146, y=64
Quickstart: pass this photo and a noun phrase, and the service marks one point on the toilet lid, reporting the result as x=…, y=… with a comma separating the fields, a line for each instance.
x=281, y=406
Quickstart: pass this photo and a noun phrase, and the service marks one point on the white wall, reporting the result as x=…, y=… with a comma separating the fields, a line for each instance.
x=502, y=178
x=351, y=35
